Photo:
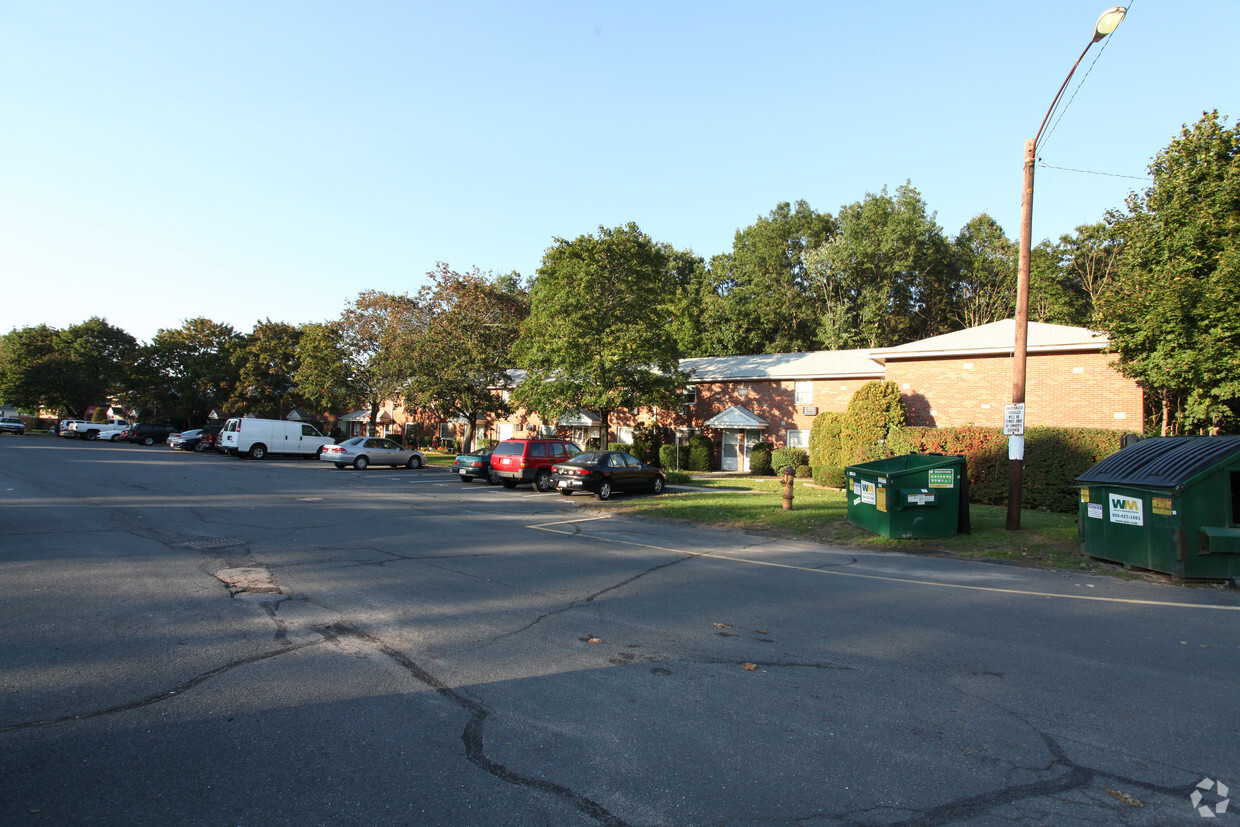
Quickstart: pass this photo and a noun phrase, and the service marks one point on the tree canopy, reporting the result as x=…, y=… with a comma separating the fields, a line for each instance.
x=1171, y=310
x=461, y=351
x=596, y=337
x=68, y=369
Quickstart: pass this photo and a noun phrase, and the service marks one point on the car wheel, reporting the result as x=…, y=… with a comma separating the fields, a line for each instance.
x=257, y=451
x=360, y=463
x=114, y=438
x=149, y=440
x=414, y=463
x=199, y=448
x=341, y=464
x=542, y=481
x=508, y=483
x=604, y=490
x=657, y=486
x=92, y=435
x=492, y=478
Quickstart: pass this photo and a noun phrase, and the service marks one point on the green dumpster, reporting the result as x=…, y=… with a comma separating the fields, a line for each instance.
x=916, y=495
x=1167, y=504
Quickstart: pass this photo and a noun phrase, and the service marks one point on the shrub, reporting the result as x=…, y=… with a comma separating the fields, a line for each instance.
x=701, y=453
x=760, y=458
x=668, y=459
x=618, y=446
x=830, y=476
x=824, y=439
x=647, y=440
x=781, y=458
x=100, y=415
x=805, y=471
x=678, y=477
x=876, y=408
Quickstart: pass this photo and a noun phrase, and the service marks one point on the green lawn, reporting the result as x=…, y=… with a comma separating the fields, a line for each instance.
x=821, y=515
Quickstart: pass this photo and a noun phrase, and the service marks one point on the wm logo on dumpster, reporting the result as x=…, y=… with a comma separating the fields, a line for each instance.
x=1125, y=510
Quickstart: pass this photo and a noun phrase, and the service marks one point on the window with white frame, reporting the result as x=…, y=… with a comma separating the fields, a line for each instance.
x=624, y=434
x=689, y=395
x=805, y=392
x=446, y=430
x=798, y=439
x=546, y=430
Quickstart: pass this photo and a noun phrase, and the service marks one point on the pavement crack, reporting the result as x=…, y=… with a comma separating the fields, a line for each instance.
x=590, y=598
x=472, y=736
x=165, y=695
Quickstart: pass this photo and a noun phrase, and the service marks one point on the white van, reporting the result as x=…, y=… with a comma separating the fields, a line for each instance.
x=256, y=438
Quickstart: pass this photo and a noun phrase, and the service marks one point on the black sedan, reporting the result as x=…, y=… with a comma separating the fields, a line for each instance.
x=606, y=472
x=475, y=466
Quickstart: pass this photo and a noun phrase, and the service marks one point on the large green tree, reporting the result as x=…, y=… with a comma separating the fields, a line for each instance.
x=460, y=355
x=266, y=362
x=986, y=262
x=1171, y=310
x=769, y=304
x=887, y=277
x=71, y=369
x=188, y=369
x=361, y=359
x=596, y=337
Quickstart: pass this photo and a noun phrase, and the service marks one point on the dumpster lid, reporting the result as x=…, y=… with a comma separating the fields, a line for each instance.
x=1162, y=462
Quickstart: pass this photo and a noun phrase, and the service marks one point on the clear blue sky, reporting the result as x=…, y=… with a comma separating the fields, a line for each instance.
x=246, y=160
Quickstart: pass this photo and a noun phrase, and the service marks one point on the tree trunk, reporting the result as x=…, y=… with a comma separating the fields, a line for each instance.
x=374, y=419
x=1166, y=412
x=467, y=444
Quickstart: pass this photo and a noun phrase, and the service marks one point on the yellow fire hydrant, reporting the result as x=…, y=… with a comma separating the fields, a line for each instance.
x=789, y=476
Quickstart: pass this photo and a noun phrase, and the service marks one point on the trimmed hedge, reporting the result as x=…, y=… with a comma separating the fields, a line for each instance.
x=701, y=453
x=760, y=458
x=830, y=476
x=781, y=458
x=667, y=457
x=1054, y=458
x=873, y=412
x=824, y=439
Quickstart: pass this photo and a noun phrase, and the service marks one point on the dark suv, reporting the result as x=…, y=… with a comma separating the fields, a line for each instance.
x=149, y=434
x=530, y=460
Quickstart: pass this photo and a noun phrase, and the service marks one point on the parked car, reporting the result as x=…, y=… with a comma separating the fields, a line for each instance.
x=177, y=440
x=12, y=425
x=256, y=438
x=361, y=451
x=475, y=466
x=207, y=439
x=530, y=460
x=606, y=472
x=65, y=428
x=148, y=434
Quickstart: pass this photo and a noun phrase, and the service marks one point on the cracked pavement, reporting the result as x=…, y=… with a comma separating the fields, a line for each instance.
x=196, y=640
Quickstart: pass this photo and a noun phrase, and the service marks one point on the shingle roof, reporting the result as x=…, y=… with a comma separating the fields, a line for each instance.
x=814, y=365
x=998, y=338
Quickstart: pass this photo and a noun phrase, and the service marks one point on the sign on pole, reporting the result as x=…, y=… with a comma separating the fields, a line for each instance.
x=1014, y=419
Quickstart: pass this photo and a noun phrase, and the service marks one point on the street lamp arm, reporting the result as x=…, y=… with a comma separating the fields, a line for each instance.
x=1059, y=95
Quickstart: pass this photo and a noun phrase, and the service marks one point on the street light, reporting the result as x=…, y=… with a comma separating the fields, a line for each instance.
x=1106, y=24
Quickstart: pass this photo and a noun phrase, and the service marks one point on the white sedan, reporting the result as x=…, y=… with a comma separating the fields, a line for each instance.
x=371, y=450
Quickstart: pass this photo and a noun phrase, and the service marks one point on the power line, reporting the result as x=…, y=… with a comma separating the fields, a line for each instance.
x=1094, y=172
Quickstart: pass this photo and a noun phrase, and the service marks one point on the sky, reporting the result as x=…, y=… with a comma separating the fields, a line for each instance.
x=261, y=160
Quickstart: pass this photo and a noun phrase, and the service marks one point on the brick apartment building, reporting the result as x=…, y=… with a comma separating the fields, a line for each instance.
x=961, y=378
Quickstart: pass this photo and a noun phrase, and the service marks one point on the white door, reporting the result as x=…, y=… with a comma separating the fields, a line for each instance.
x=504, y=430
x=731, y=459
x=751, y=437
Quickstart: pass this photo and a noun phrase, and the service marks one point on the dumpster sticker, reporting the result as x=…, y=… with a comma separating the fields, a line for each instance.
x=1094, y=510
x=1161, y=505
x=1125, y=510
x=1084, y=495
x=921, y=499
x=881, y=500
x=867, y=492
x=942, y=478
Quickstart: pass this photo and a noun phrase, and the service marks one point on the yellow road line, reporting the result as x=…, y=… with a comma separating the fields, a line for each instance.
x=552, y=527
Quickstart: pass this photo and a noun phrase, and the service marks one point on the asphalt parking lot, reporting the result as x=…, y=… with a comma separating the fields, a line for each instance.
x=195, y=639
